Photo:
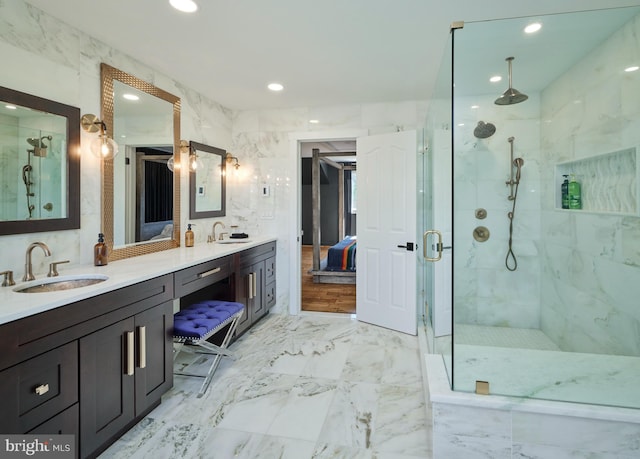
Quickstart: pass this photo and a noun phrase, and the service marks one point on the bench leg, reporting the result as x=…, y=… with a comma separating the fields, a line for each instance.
x=209, y=348
x=216, y=359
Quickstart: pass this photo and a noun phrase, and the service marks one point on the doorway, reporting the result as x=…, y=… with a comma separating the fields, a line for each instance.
x=328, y=224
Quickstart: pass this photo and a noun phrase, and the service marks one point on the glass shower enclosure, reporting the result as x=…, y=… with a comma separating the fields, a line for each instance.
x=538, y=128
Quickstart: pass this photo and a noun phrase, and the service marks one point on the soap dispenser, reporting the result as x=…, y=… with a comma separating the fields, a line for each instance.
x=100, y=252
x=188, y=236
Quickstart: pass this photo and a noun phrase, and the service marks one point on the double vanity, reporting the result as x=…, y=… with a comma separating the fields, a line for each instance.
x=92, y=361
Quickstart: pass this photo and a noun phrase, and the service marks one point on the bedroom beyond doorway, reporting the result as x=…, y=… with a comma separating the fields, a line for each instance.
x=339, y=298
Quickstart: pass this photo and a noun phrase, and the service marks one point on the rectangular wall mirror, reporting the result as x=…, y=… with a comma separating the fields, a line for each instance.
x=140, y=194
x=207, y=181
x=39, y=164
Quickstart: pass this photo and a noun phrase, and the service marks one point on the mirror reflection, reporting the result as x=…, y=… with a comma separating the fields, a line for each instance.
x=141, y=209
x=143, y=184
x=207, y=185
x=39, y=178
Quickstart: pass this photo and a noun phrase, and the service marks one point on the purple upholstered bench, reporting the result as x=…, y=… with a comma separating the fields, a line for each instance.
x=198, y=322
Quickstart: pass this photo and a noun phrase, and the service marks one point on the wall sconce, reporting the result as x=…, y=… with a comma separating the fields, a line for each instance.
x=230, y=160
x=102, y=147
x=194, y=162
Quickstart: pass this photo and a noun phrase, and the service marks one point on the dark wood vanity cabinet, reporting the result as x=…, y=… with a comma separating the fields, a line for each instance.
x=91, y=368
x=95, y=367
x=255, y=283
x=124, y=370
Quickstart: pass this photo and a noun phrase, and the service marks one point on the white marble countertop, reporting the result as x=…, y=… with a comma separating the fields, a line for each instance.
x=121, y=273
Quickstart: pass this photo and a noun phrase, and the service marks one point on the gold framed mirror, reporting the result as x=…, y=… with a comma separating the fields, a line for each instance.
x=158, y=127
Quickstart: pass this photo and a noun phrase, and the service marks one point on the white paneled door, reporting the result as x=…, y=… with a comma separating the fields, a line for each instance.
x=386, y=254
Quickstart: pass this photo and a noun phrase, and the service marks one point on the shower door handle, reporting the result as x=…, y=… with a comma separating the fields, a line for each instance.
x=439, y=247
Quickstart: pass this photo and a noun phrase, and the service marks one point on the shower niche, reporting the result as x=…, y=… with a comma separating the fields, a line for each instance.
x=610, y=182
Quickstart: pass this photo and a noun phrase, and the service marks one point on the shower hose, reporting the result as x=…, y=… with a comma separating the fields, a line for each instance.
x=510, y=261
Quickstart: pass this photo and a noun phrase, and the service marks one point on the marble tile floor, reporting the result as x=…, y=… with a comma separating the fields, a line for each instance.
x=307, y=386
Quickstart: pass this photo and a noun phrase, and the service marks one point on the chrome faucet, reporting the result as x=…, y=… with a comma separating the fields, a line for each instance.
x=28, y=270
x=214, y=230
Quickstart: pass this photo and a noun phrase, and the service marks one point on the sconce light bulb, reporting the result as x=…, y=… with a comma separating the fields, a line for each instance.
x=195, y=163
x=104, y=148
x=172, y=165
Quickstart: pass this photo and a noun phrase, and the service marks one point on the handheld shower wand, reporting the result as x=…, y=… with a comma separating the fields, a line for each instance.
x=513, y=183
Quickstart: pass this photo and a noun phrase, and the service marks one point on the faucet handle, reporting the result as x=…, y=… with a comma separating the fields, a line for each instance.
x=53, y=271
x=221, y=236
x=8, y=279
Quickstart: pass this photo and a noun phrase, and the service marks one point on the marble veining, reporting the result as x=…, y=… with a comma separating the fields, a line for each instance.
x=301, y=387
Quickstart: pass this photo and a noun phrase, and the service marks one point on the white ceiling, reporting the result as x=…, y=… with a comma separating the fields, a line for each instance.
x=325, y=52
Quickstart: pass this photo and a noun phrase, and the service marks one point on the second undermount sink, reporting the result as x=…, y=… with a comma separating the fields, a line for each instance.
x=54, y=284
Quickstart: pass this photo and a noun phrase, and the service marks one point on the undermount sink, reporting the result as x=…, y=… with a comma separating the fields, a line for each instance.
x=54, y=284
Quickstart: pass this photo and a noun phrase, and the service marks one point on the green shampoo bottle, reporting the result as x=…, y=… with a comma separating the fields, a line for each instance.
x=575, y=197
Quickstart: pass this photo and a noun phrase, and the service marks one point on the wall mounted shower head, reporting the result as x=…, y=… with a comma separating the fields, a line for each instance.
x=39, y=143
x=39, y=147
x=510, y=96
x=484, y=130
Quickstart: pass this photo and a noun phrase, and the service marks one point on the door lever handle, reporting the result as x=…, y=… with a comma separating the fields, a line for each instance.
x=408, y=246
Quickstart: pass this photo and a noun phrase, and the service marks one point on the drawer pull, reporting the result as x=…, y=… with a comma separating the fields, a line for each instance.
x=210, y=272
x=130, y=354
x=42, y=389
x=142, y=346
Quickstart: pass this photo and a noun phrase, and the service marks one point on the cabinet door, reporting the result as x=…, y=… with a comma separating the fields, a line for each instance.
x=106, y=384
x=258, y=308
x=154, y=355
x=243, y=295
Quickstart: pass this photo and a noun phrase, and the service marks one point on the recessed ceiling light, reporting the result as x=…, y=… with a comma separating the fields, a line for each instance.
x=460, y=124
x=495, y=79
x=130, y=96
x=275, y=86
x=475, y=106
x=314, y=121
x=633, y=68
x=11, y=107
x=533, y=27
x=186, y=6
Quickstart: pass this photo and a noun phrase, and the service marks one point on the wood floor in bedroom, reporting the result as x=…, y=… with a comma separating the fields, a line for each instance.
x=339, y=298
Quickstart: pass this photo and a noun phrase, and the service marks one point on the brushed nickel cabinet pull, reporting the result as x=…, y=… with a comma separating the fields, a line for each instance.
x=254, y=281
x=142, y=346
x=42, y=389
x=130, y=354
x=210, y=272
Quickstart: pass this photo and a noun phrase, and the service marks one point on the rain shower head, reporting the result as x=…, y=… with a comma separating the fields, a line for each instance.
x=484, y=130
x=510, y=96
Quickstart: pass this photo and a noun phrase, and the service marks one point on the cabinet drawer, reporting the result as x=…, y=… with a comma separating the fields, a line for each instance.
x=270, y=270
x=192, y=279
x=259, y=253
x=65, y=423
x=270, y=294
x=39, y=388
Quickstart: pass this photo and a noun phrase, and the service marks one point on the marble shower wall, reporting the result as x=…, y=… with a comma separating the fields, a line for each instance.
x=485, y=292
x=591, y=260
